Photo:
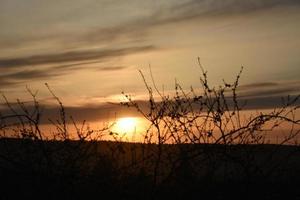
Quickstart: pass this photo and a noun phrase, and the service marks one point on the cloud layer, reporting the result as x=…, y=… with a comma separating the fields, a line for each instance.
x=268, y=95
x=43, y=67
x=72, y=56
x=110, y=30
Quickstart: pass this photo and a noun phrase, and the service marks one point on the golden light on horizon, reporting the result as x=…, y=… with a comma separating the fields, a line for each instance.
x=126, y=125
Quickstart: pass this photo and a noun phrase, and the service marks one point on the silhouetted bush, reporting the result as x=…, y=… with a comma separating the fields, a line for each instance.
x=197, y=144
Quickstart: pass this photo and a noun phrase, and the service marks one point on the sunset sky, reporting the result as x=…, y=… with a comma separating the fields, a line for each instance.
x=89, y=51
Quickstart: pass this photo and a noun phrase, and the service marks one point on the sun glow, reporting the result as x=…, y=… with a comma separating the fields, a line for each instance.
x=126, y=125
x=130, y=129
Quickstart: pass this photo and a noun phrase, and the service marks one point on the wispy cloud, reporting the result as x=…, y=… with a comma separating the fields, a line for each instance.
x=139, y=30
x=267, y=89
x=6, y=83
x=112, y=68
x=135, y=29
x=229, y=7
x=73, y=56
x=201, y=9
x=258, y=85
x=42, y=67
x=29, y=75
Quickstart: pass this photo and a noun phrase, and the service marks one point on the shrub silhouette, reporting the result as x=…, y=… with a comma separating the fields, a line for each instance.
x=211, y=117
x=195, y=141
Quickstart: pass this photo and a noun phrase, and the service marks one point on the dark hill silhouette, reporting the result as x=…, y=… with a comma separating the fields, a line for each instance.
x=75, y=169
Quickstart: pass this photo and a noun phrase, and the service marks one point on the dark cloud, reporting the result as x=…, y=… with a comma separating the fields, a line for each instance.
x=90, y=113
x=266, y=89
x=265, y=102
x=30, y=74
x=6, y=83
x=268, y=94
x=228, y=7
x=74, y=66
x=252, y=97
x=73, y=56
x=19, y=70
x=86, y=65
x=109, y=111
x=258, y=85
x=20, y=77
x=112, y=68
x=271, y=92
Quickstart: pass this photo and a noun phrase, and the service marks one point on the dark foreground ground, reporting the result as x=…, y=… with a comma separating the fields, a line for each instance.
x=112, y=170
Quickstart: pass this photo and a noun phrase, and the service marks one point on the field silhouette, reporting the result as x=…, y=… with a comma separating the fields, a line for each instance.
x=197, y=145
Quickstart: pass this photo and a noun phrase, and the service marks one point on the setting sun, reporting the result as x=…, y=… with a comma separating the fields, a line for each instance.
x=126, y=125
